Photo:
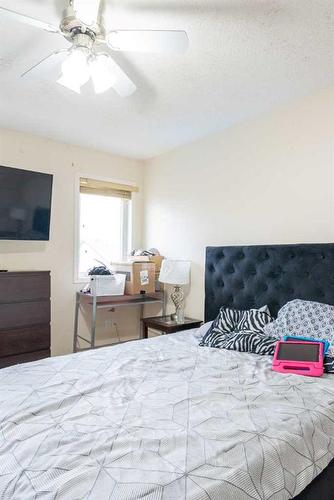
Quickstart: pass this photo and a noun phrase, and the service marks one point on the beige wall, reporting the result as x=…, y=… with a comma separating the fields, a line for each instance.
x=64, y=161
x=270, y=180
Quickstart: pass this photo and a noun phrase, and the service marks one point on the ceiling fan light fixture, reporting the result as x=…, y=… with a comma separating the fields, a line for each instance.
x=101, y=71
x=83, y=26
x=75, y=69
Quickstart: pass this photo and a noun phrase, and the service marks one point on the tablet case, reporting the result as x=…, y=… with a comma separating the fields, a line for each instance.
x=308, y=368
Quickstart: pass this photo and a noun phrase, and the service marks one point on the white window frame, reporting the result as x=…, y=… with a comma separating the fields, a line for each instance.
x=127, y=217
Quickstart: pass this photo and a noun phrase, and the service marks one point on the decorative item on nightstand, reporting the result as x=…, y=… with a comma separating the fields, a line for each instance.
x=176, y=273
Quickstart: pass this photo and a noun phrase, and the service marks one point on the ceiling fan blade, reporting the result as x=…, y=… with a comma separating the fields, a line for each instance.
x=168, y=42
x=31, y=21
x=87, y=11
x=54, y=58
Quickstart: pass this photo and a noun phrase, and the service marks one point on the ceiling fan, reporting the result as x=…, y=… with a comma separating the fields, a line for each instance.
x=83, y=25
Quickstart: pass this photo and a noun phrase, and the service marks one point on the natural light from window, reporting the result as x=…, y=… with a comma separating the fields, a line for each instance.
x=104, y=230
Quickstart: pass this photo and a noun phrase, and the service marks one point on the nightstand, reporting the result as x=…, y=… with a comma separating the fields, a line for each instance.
x=165, y=325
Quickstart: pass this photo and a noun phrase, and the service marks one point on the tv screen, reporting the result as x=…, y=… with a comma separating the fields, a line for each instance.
x=25, y=204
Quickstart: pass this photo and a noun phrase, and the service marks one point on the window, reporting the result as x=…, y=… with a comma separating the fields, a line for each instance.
x=105, y=223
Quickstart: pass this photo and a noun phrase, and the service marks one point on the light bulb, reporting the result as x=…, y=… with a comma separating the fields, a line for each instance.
x=102, y=74
x=76, y=66
x=75, y=70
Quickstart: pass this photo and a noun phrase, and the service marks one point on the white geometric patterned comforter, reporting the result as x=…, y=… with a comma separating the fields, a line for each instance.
x=161, y=419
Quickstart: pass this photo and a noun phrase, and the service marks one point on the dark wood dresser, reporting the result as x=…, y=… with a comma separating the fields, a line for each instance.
x=24, y=317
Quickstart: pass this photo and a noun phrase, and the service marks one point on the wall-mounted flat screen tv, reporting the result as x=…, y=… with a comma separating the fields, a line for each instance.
x=25, y=204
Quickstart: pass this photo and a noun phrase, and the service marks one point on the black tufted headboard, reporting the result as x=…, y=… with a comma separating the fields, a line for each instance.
x=252, y=276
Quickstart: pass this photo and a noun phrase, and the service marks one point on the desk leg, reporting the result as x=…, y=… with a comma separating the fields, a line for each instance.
x=76, y=322
x=141, y=326
x=144, y=331
x=93, y=325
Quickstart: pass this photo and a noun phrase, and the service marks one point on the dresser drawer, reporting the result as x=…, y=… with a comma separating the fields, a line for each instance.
x=23, y=358
x=24, y=340
x=24, y=314
x=24, y=286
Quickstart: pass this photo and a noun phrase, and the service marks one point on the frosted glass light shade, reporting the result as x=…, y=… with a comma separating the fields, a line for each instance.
x=175, y=272
x=102, y=73
x=75, y=70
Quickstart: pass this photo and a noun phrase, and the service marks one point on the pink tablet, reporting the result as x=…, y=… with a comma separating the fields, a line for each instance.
x=301, y=358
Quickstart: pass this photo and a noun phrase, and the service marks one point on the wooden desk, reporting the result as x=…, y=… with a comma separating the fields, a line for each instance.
x=107, y=302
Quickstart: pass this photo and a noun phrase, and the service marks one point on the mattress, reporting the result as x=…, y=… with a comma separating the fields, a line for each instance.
x=161, y=419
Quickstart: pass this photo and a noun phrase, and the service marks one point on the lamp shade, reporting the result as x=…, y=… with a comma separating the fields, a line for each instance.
x=175, y=272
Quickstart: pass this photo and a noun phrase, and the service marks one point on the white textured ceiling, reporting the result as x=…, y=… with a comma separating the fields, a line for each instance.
x=245, y=57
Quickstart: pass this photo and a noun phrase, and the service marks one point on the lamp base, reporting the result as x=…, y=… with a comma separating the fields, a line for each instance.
x=177, y=298
x=178, y=317
x=174, y=317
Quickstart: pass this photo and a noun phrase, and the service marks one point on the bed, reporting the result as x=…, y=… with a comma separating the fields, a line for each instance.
x=166, y=419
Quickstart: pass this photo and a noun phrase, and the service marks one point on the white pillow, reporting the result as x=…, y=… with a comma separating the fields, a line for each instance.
x=203, y=329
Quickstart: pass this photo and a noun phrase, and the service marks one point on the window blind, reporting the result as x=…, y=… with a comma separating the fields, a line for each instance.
x=104, y=188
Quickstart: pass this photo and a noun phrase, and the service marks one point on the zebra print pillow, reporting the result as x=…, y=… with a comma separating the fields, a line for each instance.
x=329, y=364
x=226, y=320
x=254, y=320
x=248, y=341
x=235, y=321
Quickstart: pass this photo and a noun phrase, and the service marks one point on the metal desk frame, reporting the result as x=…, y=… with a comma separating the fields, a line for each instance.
x=109, y=302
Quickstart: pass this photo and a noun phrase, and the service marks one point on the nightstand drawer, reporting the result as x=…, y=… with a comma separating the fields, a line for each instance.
x=24, y=340
x=23, y=358
x=24, y=314
x=24, y=286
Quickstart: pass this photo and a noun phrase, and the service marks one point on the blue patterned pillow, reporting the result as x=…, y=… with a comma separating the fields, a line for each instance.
x=304, y=319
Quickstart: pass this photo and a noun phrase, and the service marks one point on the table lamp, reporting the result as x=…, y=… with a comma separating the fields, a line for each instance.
x=176, y=273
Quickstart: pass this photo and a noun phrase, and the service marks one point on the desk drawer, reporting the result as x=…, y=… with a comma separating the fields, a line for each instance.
x=23, y=358
x=24, y=314
x=24, y=340
x=24, y=286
